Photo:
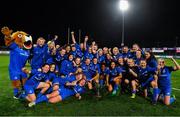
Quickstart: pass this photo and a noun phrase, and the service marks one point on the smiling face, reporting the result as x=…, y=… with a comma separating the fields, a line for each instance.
x=120, y=61
x=95, y=61
x=147, y=55
x=143, y=64
x=73, y=48
x=88, y=61
x=82, y=82
x=45, y=68
x=68, y=49
x=135, y=47
x=125, y=49
x=70, y=57
x=161, y=62
x=105, y=50
x=130, y=62
x=40, y=41
x=52, y=67
x=78, y=61
x=108, y=56
x=63, y=52
x=115, y=50
x=113, y=65
x=100, y=52
x=79, y=76
x=138, y=54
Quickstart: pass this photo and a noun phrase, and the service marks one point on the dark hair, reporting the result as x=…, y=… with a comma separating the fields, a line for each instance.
x=143, y=60
x=151, y=56
x=45, y=64
x=52, y=64
x=111, y=63
x=103, y=64
x=70, y=55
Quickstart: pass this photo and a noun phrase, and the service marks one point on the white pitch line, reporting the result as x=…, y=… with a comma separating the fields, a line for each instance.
x=176, y=89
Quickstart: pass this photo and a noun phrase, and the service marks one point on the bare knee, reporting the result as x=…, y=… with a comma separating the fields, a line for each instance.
x=154, y=84
x=110, y=88
x=24, y=80
x=55, y=99
x=126, y=81
x=133, y=83
x=55, y=87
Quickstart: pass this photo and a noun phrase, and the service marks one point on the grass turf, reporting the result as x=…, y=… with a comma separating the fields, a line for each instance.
x=89, y=106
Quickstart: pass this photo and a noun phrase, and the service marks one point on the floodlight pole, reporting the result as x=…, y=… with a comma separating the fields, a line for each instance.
x=68, y=34
x=122, y=43
x=79, y=36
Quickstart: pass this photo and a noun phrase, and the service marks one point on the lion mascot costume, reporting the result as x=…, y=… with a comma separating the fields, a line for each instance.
x=19, y=44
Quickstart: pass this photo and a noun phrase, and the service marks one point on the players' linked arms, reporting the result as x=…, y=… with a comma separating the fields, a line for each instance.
x=71, y=84
x=133, y=73
x=177, y=66
x=119, y=77
x=7, y=35
x=159, y=69
x=107, y=80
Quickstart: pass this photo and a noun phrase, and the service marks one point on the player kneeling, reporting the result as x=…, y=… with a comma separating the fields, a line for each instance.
x=132, y=77
x=164, y=80
x=147, y=80
x=113, y=78
x=70, y=89
x=37, y=81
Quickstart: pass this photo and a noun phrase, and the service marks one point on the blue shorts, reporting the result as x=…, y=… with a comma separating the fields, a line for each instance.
x=166, y=91
x=29, y=89
x=88, y=78
x=111, y=80
x=55, y=81
x=17, y=75
x=147, y=82
x=64, y=93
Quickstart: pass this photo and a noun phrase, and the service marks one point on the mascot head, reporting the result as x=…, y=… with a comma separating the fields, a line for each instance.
x=22, y=39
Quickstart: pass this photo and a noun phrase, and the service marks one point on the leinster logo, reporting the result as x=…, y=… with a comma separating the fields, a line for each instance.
x=164, y=71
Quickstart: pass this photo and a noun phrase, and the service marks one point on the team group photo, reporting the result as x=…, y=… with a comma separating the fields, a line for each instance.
x=76, y=74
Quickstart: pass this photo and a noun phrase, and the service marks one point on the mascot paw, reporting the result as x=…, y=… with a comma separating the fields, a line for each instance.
x=6, y=31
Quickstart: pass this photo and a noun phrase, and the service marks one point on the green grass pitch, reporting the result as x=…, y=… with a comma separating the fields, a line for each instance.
x=121, y=105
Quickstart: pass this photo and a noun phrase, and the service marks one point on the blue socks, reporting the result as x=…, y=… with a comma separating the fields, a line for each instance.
x=101, y=82
x=116, y=87
x=155, y=94
x=16, y=91
x=49, y=90
x=41, y=99
x=172, y=99
x=39, y=94
x=134, y=92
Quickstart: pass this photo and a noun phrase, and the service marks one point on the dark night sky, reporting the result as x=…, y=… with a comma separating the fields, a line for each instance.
x=146, y=22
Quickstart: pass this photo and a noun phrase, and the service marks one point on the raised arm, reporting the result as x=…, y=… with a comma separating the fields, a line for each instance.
x=7, y=35
x=85, y=42
x=73, y=37
x=177, y=66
